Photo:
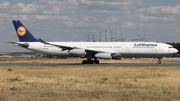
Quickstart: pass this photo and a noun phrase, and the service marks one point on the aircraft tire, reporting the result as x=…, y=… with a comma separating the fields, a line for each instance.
x=159, y=62
x=91, y=62
x=96, y=61
x=84, y=62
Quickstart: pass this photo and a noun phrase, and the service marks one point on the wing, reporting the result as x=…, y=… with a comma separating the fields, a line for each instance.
x=91, y=51
x=60, y=46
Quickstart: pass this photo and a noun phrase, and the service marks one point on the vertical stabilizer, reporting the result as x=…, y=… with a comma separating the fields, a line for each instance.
x=22, y=32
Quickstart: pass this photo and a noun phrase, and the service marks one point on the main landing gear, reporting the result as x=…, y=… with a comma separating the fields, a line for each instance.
x=90, y=61
x=159, y=61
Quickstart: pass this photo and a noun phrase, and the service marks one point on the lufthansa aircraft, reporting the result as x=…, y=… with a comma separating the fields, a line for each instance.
x=92, y=50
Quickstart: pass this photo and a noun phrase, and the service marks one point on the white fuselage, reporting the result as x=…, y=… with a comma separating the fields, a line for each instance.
x=126, y=49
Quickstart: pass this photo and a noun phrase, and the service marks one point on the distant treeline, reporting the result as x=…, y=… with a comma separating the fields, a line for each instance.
x=176, y=45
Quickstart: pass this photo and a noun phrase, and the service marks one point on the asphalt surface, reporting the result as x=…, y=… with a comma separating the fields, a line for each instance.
x=170, y=63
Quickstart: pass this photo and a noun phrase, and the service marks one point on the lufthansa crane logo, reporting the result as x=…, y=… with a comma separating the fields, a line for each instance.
x=21, y=31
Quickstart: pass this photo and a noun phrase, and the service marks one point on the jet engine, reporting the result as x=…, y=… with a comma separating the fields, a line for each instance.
x=117, y=56
x=77, y=52
x=103, y=56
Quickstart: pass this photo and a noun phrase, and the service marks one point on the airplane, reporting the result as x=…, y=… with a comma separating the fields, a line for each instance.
x=92, y=50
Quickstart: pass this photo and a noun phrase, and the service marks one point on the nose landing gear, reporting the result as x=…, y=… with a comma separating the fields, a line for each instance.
x=159, y=61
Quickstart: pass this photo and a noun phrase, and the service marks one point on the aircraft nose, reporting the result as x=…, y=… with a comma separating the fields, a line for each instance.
x=175, y=50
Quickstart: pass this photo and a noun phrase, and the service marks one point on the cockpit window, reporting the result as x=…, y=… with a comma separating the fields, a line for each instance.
x=170, y=47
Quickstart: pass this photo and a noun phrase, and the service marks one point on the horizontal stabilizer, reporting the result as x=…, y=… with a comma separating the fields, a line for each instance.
x=24, y=45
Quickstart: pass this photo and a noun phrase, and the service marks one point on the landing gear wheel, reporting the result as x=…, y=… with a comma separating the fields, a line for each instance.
x=88, y=62
x=96, y=61
x=159, y=62
x=84, y=62
x=91, y=62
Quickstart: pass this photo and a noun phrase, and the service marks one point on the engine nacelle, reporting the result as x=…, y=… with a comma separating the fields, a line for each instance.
x=117, y=56
x=77, y=52
x=103, y=55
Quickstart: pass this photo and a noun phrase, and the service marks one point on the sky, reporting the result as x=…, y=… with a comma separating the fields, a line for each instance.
x=74, y=20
